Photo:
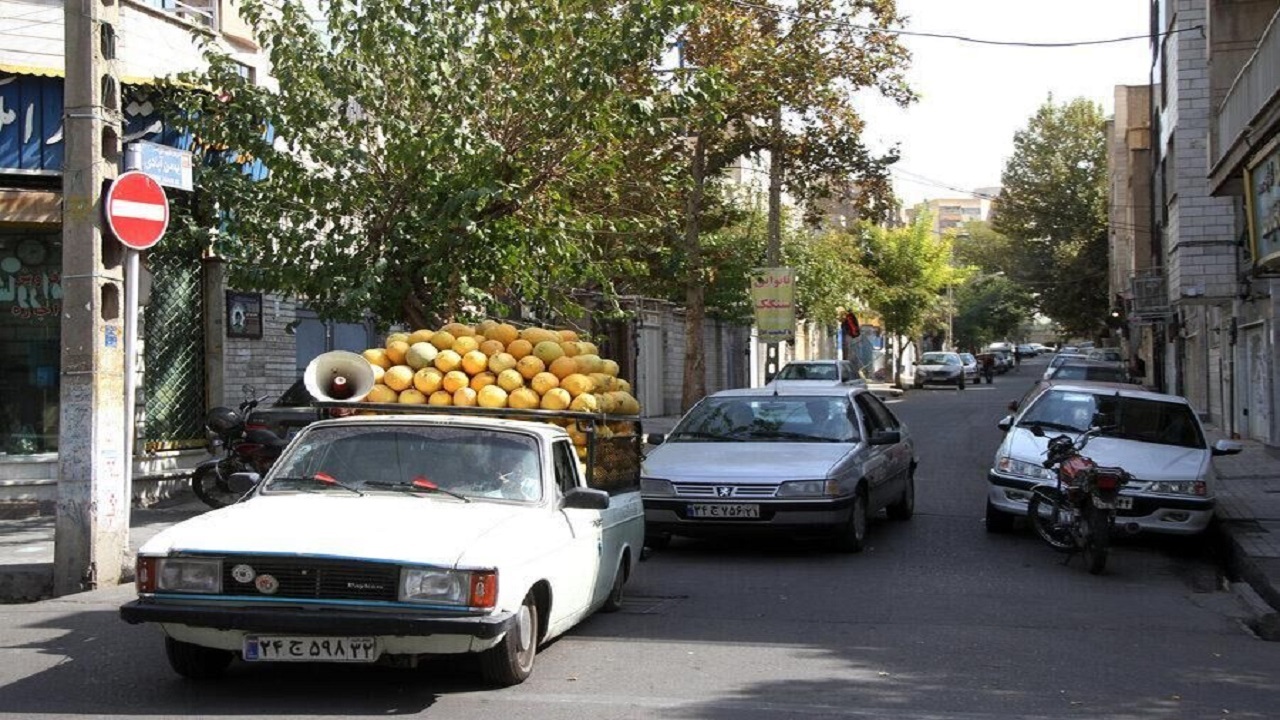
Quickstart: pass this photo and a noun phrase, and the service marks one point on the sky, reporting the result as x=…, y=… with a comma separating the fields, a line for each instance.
x=973, y=98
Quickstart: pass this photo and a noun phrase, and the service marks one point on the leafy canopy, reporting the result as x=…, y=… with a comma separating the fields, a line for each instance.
x=428, y=157
x=1053, y=207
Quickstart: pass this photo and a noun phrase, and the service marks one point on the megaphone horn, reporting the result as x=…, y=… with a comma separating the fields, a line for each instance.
x=339, y=376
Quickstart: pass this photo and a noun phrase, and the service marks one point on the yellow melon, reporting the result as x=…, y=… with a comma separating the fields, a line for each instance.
x=528, y=366
x=475, y=362
x=484, y=327
x=382, y=394
x=570, y=348
x=562, y=367
x=536, y=335
x=420, y=336
x=519, y=348
x=555, y=399
x=459, y=330
x=396, y=337
x=398, y=377
x=624, y=403
x=465, y=344
x=440, y=397
x=608, y=404
x=578, y=384
x=411, y=396
x=543, y=382
x=420, y=355
x=569, y=335
x=623, y=385
x=481, y=380
x=427, y=380
x=454, y=380
x=396, y=350
x=503, y=333
x=501, y=361
x=378, y=372
x=584, y=403
x=547, y=351
x=447, y=360
x=523, y=398
x=588, y=348
x=590, y=363
x=609, y=367
x=510, y=379
x=464, y=397
x=492, y=347
x=492, y=396
x=603, y=383
x=378, y=356
x=443, y=340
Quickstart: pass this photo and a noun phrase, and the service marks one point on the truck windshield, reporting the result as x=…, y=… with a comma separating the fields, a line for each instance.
x=377, y=459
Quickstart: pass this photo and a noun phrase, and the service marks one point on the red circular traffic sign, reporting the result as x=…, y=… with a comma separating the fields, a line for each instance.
x=137, y=210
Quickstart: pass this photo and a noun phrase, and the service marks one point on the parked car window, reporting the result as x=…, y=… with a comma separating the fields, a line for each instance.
x=848, y=370
x=1130, y=418
x=565, y=463
x=940, y=358
x=808, y=371
x=792, y=418
x=870, y=420
x=884, y=417
x=1093, y=373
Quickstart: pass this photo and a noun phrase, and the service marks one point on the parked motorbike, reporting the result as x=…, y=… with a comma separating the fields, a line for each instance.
x=237, y=447
x=1077, y=514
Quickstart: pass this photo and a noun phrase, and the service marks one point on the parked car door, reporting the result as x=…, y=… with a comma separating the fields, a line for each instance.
x=586, y=544
x=898, y=456
x=877, y=465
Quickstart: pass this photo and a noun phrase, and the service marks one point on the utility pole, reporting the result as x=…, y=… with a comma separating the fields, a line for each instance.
x=773, y=250
x=93, y=501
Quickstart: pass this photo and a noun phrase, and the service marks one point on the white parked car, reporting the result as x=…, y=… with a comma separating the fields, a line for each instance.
x=817, y=373
x=819, y=462
x=1157, y=438
x=388, y=537
x=940, y=368
x=971, y=370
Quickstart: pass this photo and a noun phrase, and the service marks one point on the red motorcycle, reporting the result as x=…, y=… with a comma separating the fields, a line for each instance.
x=243, y=448
x=1077, y=513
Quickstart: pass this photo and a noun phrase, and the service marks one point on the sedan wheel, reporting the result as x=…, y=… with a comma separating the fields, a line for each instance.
x=905, y=507
x=853, y=537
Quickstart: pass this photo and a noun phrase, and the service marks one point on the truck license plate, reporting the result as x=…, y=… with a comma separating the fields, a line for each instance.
x=289, y=648
x=724, y=511
x=1124, y=503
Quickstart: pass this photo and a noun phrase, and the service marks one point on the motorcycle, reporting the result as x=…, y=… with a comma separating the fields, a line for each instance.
x=241, y=447
x=1077, y=514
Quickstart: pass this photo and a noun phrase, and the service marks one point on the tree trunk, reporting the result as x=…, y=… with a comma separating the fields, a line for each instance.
x=694, y=386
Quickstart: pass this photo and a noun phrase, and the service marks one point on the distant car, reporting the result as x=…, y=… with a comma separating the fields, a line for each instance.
x=1056, y=361
x=1157, y=438
x=1105, y=354
x=817, y=373
x=1025, y=351
x=971, y=369
x=1091, y=370
x=940, y=368
x=816, y=461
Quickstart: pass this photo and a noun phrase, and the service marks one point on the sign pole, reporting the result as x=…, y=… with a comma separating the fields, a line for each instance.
x=131, y=270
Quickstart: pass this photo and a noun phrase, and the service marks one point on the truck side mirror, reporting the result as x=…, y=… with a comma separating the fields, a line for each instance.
x=585, y=499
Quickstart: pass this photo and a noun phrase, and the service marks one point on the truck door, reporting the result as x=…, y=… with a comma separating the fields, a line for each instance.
x=584, y=549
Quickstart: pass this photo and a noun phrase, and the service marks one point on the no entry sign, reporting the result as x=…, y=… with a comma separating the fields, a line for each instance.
x=137, y=210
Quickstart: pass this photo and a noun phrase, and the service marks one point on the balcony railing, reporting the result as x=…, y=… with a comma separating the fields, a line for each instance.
x=1150, y=300
x=1249, y=94
x=200, y=12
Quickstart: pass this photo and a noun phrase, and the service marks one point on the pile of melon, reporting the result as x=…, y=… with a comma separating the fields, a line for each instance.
x=496, y=365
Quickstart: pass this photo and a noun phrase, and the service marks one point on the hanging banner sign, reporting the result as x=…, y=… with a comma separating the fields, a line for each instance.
x=773, y=292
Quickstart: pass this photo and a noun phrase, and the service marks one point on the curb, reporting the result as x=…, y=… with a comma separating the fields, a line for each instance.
x=26, y=583
x=1242, y=564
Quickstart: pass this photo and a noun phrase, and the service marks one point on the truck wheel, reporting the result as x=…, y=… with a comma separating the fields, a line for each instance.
x=613, y=603
x=510, y=662
x=196, y=662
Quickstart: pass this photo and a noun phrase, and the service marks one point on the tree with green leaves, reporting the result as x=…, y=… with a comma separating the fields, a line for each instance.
x=783, y=78
x=911, y=267
x=426, y=159
x=1054, y=207
x=989, y=307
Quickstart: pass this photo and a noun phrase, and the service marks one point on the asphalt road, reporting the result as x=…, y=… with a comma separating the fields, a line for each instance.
x=936, y=619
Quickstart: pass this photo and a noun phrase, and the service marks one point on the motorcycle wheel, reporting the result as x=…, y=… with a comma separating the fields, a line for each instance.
x=1097, y=539
x=210, y=484
x=1050, y=517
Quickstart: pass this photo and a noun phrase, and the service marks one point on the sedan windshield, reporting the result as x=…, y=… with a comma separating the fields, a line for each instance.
x=1130, y=418
x=428, y=460
x=937, y=358
x=770, y=419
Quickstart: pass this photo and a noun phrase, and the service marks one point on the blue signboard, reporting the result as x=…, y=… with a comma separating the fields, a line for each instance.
x=168, y=166
x=31, y=126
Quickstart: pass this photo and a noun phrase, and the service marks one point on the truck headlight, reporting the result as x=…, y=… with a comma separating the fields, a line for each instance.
x=656, y=487
x=809, y=488
x=1012, y=466
x=437, y=586
x=188, y=575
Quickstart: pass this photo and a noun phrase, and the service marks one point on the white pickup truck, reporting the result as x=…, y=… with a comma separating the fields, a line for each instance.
x=386, y=537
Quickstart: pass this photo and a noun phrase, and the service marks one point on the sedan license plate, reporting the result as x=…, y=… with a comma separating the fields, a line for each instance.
x=1124, y=503
x=748, y=512
x=289, y=648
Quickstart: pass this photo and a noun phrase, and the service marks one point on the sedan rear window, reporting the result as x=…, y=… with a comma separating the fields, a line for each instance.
x=809, y=371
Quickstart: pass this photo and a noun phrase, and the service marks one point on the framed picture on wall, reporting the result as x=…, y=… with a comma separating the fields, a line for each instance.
x=244, y=314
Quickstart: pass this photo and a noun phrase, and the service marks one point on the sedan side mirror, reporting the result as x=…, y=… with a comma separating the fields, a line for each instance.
x=1226, y=447
x=1005, y=423
x=886, y=437
x=655, y=438
x=242, y=482
x=585, y=499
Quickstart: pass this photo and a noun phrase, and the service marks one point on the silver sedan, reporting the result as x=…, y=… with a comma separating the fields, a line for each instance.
x=815, y=461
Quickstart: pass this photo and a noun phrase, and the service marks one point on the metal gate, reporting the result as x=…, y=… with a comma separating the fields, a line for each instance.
x=649, y=373
x=173, y=362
